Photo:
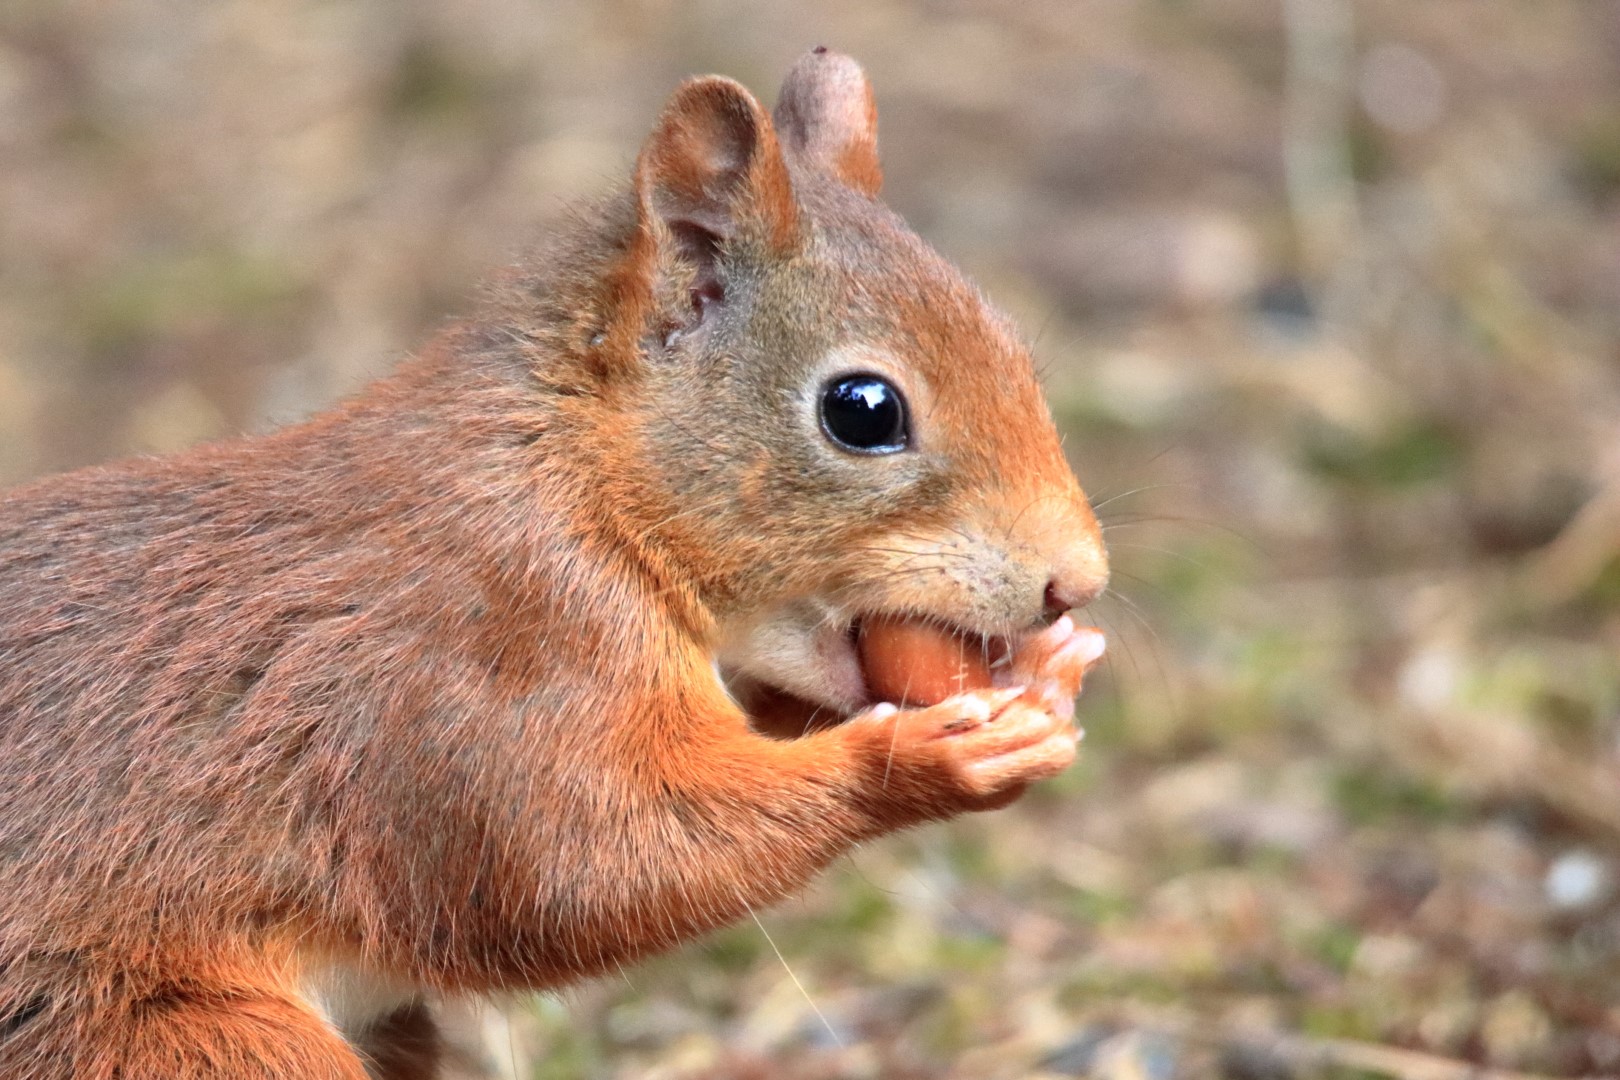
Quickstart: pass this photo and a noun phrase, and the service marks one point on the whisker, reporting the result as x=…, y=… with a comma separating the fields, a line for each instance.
x=1165, y=551
x=788, y=968
x=1097, y=506
x=1130, y=609
x=894, y=741
x=1146, y=583
x=1180, y=519
x=1108, y=628
x=890, y=574
x=1012, y=527
x=942, y=554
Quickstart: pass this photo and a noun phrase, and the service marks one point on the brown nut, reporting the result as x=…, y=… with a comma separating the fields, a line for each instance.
x=917, y=663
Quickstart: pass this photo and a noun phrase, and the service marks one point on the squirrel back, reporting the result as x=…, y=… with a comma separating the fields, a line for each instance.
x=544, y=652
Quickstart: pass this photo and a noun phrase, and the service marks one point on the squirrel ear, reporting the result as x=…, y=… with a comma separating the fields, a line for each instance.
x=710, y=174
x=827, y=116
x=711, y=169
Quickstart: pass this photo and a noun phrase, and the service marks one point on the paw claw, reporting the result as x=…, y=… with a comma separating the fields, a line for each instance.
x=974, y=710
x=1085, y=647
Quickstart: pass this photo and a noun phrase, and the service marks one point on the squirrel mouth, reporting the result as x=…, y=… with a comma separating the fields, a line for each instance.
x=821, y=680
x=793, y=684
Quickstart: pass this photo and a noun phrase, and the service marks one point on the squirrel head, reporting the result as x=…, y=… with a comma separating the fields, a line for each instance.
x=823, y=420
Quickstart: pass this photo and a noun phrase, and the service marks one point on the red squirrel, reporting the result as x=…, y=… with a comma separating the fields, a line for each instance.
x=542, y=653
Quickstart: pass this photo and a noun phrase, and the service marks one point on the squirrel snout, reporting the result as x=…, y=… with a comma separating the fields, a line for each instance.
x=1076, y=561
x=1038, y=557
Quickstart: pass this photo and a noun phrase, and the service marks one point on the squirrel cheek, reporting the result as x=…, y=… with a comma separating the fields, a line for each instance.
x=917, y=663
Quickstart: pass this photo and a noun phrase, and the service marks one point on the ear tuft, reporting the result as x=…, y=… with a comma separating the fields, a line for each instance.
x=827, y=117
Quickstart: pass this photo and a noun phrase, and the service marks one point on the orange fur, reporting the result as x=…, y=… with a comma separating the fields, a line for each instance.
x=425, y=687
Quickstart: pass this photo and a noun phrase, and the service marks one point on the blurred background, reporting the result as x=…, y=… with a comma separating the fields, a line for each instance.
x=1327, y=293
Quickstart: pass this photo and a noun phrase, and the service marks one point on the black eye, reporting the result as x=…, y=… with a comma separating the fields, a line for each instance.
x=866, y=414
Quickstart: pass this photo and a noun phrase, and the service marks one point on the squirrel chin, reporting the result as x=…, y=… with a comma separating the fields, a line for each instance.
x=805, y=651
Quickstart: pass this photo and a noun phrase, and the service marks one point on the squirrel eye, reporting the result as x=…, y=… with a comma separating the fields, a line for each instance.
x=866, y=414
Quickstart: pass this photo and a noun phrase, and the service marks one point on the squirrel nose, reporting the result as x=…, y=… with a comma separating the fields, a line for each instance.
x=1066, y=596
x=1074, y=588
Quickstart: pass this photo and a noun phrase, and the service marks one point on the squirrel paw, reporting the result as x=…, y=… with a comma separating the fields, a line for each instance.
x=1053, y=662
x=980, y=749
x=977, y=750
